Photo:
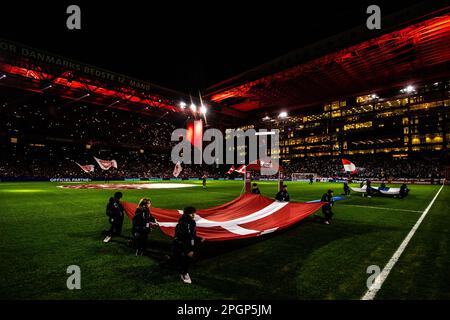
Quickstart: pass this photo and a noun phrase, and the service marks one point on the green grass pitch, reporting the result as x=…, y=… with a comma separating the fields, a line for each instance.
x=44, y=229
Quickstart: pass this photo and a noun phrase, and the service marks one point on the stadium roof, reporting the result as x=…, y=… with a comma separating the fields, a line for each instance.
x=36, y=70
x=412, y=45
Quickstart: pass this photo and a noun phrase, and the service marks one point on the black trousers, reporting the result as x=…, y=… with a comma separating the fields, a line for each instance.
x=327, y=213
x=140, y=240
x=182, y=261
x=116, y=227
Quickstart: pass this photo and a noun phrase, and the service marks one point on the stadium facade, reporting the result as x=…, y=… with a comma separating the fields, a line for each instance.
x=401, y=122
x=354, y=95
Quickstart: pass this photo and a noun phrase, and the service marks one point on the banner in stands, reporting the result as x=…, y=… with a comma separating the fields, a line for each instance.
x=249, y=215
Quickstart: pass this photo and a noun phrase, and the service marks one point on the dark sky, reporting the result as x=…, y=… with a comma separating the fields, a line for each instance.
x=186, y=46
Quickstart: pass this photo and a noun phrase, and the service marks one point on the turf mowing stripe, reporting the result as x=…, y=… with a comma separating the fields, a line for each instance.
x=379, y=280
x=380, y=208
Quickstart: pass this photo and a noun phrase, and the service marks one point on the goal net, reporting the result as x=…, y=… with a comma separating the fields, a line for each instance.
x=303, y=176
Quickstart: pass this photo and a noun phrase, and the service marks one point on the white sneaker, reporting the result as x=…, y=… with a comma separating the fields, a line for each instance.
x=107, y=239
x=327, y=222
x=186, y=278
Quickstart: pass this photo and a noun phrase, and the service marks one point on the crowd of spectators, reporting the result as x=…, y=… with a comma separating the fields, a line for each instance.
x=20, y=161
x=372, y=166
x=141, y=146
x=85, y=124
x=24, y=161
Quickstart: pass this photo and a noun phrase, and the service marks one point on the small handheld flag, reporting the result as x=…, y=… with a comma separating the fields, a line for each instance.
x=241, y=169
x=177, y=170
x=230, y=171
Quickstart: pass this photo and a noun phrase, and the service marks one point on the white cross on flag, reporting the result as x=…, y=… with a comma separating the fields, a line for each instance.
x=106, y=164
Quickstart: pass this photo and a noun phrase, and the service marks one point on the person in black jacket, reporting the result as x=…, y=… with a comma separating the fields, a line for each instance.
x=184, y=243
x=143, y=221
x=346, y=189
x=326, y=208
x=255, y=189
x=369, y=188
x=403, y=191
x=115, y=212
x=282, y=195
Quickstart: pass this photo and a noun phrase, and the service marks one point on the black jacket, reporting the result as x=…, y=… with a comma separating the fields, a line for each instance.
x=186, y=234
x=114, y=209
x=141, y=218
x=282, y=196
x=256, y=190
x=328, y=199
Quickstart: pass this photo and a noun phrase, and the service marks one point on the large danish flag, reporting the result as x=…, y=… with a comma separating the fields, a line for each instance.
x=250, y=215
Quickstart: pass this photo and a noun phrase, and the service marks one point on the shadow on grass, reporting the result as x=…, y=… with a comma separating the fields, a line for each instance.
x=276, y=260
x=258, y=268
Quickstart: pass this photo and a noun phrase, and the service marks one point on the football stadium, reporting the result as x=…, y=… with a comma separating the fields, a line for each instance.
x=320, y=174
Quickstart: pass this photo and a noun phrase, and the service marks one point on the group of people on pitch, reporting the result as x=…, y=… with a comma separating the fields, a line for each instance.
x=283, y=196
x=185, y=240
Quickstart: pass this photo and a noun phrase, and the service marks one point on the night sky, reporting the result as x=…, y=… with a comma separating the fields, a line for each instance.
x=185, y=46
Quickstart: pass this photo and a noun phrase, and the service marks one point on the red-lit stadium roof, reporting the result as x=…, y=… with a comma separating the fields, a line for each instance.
x=35, y=70
x=418, y=51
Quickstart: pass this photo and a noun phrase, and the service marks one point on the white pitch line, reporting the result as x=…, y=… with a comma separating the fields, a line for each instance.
x=379, y=280
x=380, y=208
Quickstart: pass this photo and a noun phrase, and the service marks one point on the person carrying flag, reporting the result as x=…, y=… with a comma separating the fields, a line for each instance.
x=115, y=212
x=282, y=195
x=184, y=243
x=142, y=222
x=255, y=189
x=346, y=189
x=326, y=208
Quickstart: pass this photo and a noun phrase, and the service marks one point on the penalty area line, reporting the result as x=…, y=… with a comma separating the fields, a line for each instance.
x=379, y=280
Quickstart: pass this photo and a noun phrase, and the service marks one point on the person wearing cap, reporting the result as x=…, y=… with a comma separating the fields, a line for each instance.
x=184, y=243
x=142, y=222
x=326, y=208
x=255, y=189
x=115, y=212
x=282, y=195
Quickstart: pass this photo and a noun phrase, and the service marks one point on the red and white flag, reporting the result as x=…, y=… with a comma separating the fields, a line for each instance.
x=87, y=168
x=244, y=217
x=241, y=169
x=177, y=170
x=349, y=166
x=106, y=164
x=231, y=170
